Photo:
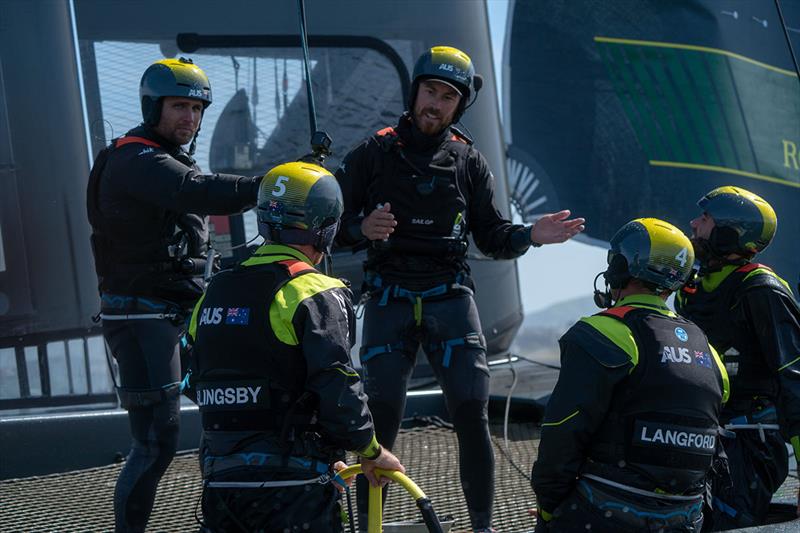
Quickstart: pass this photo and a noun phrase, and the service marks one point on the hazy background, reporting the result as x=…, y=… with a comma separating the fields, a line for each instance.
x=555, y=280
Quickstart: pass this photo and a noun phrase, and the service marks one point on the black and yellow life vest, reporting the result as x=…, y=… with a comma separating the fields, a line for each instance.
x=711, y=303
x=663, y=419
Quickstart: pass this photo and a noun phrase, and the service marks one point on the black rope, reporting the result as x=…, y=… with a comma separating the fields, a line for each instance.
x=312, y=111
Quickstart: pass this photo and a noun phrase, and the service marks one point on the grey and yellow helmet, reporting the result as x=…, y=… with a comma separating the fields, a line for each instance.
x=299, y=203
x=651, y=250
x=171, y=77
x=449, y=65
x=744, y=223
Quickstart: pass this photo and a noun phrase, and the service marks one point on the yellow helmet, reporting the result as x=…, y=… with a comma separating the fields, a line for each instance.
x=448, y=65
x=171, y=77
x=650, y=250
x=299, y=203
x=744, y=223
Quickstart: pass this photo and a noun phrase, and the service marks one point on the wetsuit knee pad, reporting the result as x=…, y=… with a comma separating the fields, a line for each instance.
x=155, y=430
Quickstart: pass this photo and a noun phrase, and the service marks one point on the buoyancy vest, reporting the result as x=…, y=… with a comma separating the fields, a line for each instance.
x=426, y=194
x=712, y=309
x=663, y=420
x=172, y=256
x=246, y=378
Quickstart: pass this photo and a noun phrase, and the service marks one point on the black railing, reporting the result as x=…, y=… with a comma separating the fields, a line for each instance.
x=84, y=360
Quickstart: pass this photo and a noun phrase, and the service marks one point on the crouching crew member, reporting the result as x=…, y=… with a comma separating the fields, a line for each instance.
x=630, y=432
x=750, y=316
x=279, y=399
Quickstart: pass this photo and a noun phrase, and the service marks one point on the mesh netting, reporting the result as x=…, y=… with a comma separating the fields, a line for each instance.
x=83, y=501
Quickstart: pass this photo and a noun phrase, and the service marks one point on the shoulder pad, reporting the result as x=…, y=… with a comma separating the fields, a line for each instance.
x=122, y=141
x=763, y=276
x=617, y=312
x=295, y=267
x=606, y=339
x=387, y=138
x=460, y=136
x=386, y=131
x=749, y=267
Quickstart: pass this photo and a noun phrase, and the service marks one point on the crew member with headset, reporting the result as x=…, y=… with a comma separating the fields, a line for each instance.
x=750, y=316
x=412, y=193
x=279, y=399
x=630, y=431
x=147, y=202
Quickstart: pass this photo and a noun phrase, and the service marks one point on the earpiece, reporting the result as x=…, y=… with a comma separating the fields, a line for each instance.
x=602, y=299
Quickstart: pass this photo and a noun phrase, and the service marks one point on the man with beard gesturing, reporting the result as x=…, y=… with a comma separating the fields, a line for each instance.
x=412, y=193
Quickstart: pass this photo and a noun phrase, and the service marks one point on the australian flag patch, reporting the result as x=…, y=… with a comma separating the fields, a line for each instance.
x=702, y=358
x=238, y=316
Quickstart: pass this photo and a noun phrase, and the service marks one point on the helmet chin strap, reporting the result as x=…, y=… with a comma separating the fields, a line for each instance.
x=710, y=258
x=193, y=146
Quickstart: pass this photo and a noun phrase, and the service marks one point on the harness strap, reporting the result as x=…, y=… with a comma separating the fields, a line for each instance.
x=769, y=413
x=132, y=398
x=321, y=480
x=759, y=427
x=214, y=464
x=448, y=350
x=368, y=353
x=118, y=307
x=470, y=339
x=140, y=316
x=642, y=492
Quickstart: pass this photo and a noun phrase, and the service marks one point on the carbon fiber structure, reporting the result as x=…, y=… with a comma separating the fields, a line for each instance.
x=82, y=501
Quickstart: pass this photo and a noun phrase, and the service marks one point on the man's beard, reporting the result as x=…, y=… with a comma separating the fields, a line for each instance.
x=420, y=117
x=706, y=255
x=702, y=249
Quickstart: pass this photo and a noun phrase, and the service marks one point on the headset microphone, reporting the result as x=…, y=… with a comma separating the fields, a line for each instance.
x=602, y=299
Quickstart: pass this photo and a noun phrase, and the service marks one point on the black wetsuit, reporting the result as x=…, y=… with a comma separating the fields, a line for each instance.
x=147, y=202
x=440, y=188
x=279, y=399
x=751, y=317
x=630, y=431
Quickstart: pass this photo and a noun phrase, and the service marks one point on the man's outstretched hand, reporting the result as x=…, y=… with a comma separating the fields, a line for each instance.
x=556, y=227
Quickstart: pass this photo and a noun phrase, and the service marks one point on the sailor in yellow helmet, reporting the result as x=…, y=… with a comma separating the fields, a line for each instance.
x=629, y=434
x=412, y=195
x=279, y=399
x=752, y=318
x=147, y=203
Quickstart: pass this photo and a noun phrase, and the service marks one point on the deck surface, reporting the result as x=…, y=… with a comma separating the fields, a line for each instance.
x=83, y=500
